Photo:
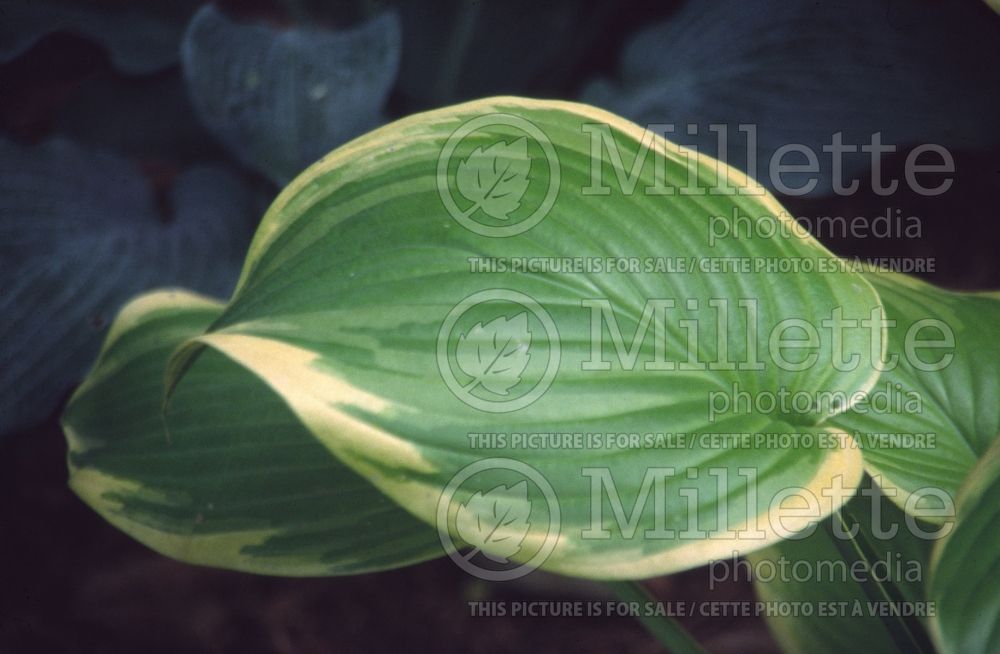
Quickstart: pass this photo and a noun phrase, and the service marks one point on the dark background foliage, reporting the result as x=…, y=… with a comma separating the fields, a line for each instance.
x=114, y=149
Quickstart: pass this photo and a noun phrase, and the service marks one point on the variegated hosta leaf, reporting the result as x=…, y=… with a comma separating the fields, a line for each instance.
x=800, y=71
x=359, y=286
x=936, y=411
x=231, y=479
x=279, y=99
x=80, y=233
x=139, y=40
x=838, y=587
x=964, y=566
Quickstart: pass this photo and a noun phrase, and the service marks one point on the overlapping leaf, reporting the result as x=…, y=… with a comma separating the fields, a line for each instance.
x=230, y=478
x=81, y=232
x=965, y=563
x=280, y=99
x=937, y=410
x=851, y=581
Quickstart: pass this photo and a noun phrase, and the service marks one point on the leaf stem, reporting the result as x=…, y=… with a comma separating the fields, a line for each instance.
x=907, y=632
x=665, y=629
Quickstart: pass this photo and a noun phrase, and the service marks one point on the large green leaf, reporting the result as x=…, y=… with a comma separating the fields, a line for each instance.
x=359, y=267
x=839, y=586
x=232, y=478
x=81, y=231
x=964, y=566
x=279, y=99
x=943, y=384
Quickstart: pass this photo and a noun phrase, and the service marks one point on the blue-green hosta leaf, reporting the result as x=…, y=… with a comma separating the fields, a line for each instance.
x=839, y=587
x=935, y=412
x=802, y=70
x=279, y=99
x=964, y=566
x=232, y=479
x=139, y=40
x=80, y=233
x=358, y=289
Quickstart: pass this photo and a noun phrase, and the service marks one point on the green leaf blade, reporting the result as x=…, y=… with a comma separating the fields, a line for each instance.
x=965, y=563
x=228, y=477
x=953, y=405
x=358, y=264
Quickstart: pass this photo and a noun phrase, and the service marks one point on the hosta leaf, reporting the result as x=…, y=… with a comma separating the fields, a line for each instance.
x=964, y=566
x=139, y=40
x=281, y=98
x=836, y=591
x=937, y=410
x=80, y=232
x=351, y=306
x=801, y=71
x=231, y=478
